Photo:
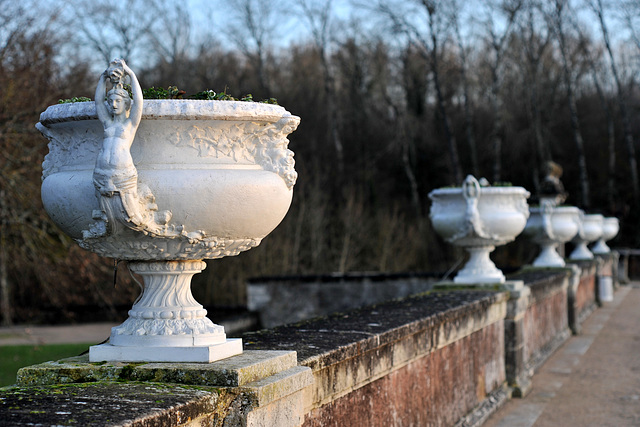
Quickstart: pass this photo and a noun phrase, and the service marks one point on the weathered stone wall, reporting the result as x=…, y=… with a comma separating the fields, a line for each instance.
x=450, y=356
x=586, y=292
x=426, y=360
x=438, y=389
x=546, y=323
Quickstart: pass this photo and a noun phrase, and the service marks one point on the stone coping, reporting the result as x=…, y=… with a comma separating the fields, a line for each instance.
x=324, y=341
x=257, y=385
x=584, y=264
x=538, y=275
x=110, y=403
x=543, y=280
x=234, y=371
x=275, y=363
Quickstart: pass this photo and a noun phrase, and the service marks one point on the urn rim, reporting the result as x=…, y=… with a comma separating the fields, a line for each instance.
x=504, y=191
x=175, y=109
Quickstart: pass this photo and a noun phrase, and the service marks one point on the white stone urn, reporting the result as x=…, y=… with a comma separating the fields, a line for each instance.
x=478, y=219
x=610, y=229
x=165, y=184
x=550, y=227
x=589, y=230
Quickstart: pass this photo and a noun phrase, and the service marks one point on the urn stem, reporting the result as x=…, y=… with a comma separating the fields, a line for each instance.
x=166, y=323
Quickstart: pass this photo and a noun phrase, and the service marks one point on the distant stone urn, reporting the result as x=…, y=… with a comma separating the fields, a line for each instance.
x=478, y=219
x=550, y=226
x=165, y=184
x=610, y=229
x=589, y=230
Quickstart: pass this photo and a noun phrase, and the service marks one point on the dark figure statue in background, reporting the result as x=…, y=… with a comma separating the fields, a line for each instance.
x=551, y=189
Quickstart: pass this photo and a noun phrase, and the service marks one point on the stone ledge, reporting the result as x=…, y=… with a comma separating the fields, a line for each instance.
x=270, y=389
x=543, y=281
x=323, y=341
x=235, y=371
x=253, y=389
x=111, y=403
x=350, y=350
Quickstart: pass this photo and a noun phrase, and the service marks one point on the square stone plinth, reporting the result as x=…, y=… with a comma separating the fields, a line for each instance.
x=206, y=354
x=255, y=388
x=235, y=371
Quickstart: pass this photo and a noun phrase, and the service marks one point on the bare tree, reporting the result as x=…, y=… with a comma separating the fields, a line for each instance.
x=115, y=29
x=535, y=41
x=611, y=144
x=559, y=15
x=497, y=38
x=630, y=13
x=598, y=9
x=410, y=19
x=29, y=77
x=19, y=28
x=253, y=26
x=464, y=75
x=398, y=119
x=170, y=40
x=319, y=17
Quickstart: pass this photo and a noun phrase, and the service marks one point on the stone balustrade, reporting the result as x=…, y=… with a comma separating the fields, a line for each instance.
x=448, y=356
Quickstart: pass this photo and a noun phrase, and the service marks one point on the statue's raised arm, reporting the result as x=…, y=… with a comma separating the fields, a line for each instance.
x=101, y=106
x=116, y=104
x=136, y=107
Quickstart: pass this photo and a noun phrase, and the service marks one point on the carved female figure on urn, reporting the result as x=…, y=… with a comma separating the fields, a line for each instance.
x=122, y=200
x=115, y=176
x=120, y=117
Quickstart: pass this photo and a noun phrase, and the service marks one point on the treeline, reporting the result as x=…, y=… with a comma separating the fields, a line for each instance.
x=396, y=100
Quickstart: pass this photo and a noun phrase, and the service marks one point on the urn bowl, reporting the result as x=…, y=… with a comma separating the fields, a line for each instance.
x=218, y=174
x=560, y=225
x=502, y=213
x=590, y=230
x=592, y=227
x=610, y=229
x=549, y=227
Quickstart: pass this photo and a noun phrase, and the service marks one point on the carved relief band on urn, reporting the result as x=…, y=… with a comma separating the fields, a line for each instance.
x=165, y=184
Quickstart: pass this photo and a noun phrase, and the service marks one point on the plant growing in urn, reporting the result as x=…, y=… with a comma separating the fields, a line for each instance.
x=165, y=184
x=478, y=219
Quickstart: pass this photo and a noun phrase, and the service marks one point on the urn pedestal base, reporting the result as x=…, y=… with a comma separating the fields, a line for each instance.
x=479, y=268
x=203, y=354
x=600, y=248
x=549, y=257
x=581, y=251
x=166, y=324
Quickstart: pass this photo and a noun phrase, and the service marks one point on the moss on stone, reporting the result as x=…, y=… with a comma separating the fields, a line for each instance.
x=92, y=403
